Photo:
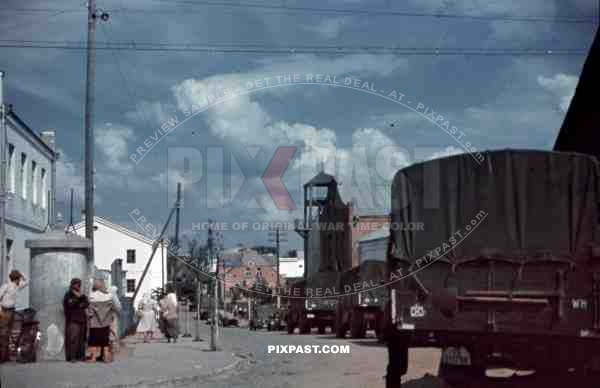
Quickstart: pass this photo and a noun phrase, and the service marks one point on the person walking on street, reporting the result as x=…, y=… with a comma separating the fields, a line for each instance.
x=8, y=299
x=101, y=315
x=115, y=338
x=147, y=313
x=169, y=320
x=75, y=306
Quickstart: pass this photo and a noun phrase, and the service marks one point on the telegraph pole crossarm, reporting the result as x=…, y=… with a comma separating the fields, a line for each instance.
x=154, y=247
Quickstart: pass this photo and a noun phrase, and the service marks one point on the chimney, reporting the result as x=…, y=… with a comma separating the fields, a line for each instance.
x=49, y=137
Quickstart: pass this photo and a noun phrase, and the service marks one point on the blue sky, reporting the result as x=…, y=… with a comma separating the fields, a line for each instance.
x=511, y=101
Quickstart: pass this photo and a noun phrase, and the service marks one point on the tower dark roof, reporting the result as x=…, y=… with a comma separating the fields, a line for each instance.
x=321, y=179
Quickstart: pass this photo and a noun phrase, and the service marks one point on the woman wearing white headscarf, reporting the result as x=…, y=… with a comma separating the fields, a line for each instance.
x=147, y=314
x=101, y=313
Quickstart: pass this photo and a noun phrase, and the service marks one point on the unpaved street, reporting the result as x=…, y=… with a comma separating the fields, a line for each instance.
x=363, y=367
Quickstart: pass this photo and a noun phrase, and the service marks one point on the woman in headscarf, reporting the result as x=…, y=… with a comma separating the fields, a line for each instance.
x=101, y=314
x=147, y=313
x=75, y=305
x=168, y=311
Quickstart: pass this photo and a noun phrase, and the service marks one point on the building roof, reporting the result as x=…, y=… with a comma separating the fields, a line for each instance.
x=117, y=228
x=376, y=235
x=290, y=259
x=11, y=114
x=320, y=179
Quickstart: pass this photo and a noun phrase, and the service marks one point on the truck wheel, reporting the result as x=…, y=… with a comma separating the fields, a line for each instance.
x=357, y=327
x=290, y=328
x=379, y=328
x=340, y=330
x=321, y=329
x=305, y=325
x=397, y=361
x=459, y=375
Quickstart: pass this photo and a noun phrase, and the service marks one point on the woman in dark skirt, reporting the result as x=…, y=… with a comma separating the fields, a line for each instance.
x=169, y=321
x=75, y=305
x=101, y=313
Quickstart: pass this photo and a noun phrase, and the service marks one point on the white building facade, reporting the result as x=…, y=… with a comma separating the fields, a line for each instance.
x=113, y=241
x=31, y=193
x=291, y=267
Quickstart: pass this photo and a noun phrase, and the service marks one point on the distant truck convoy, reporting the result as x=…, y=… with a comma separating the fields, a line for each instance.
x=506, y=270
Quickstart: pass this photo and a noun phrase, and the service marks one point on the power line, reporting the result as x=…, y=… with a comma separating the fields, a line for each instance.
x=378, y=12
x=265, y=49
x=191, y=7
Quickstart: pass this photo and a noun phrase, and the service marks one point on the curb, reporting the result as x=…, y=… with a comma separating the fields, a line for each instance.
x=178, y=382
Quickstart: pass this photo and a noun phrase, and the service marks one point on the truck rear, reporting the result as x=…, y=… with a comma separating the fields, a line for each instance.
x=312, y=310
x=506, y=269
x=363, y=301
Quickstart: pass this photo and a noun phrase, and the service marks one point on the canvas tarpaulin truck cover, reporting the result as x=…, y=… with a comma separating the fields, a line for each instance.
x=516, y=203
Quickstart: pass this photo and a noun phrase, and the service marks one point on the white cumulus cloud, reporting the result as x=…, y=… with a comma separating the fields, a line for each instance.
x=561, y=86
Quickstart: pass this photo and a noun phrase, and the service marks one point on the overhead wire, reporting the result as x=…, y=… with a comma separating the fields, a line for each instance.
x=249, y=48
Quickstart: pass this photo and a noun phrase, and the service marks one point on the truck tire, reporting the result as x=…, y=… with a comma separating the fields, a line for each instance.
x=397, y=360
x=322, y=329
x=357, y=327
x=379, y=327
x=305, y=325
x=290, y=328
x=341, y=326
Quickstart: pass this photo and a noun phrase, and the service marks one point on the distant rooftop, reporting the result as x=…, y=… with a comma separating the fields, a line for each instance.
x=377, y=235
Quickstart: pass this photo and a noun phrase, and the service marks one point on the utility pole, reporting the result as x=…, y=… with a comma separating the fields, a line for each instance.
x=3, y=191
x=179, y=205
x=198, y=305
x=89, y=131
x=276, y=238
x=162, y=261
x=89, y=127
x=277, y=258
x=214, y=328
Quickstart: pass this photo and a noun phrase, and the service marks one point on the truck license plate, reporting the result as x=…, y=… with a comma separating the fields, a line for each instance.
x=310, y=315
x=417, y=311
x=369, y=316
x=456, y=356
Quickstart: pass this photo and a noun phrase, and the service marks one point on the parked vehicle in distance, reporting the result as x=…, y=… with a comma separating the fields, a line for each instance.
x=225, y=319
x=276, y=322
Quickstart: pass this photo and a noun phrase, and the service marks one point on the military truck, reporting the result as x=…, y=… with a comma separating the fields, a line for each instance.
x=307, y=312
x=505, y=271
x=327, y=239
x=362, y=304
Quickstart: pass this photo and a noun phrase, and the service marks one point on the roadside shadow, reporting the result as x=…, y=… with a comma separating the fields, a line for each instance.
x=369, y=342
x=427, y=381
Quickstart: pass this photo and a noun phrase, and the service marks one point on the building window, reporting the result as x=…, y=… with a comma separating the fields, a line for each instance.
x=34, y=183
x=130, y=285
x=11, y=168
x=23, y=175
x=44, y=193
x=9, y=245
x=248, y=274
x=131, y=256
